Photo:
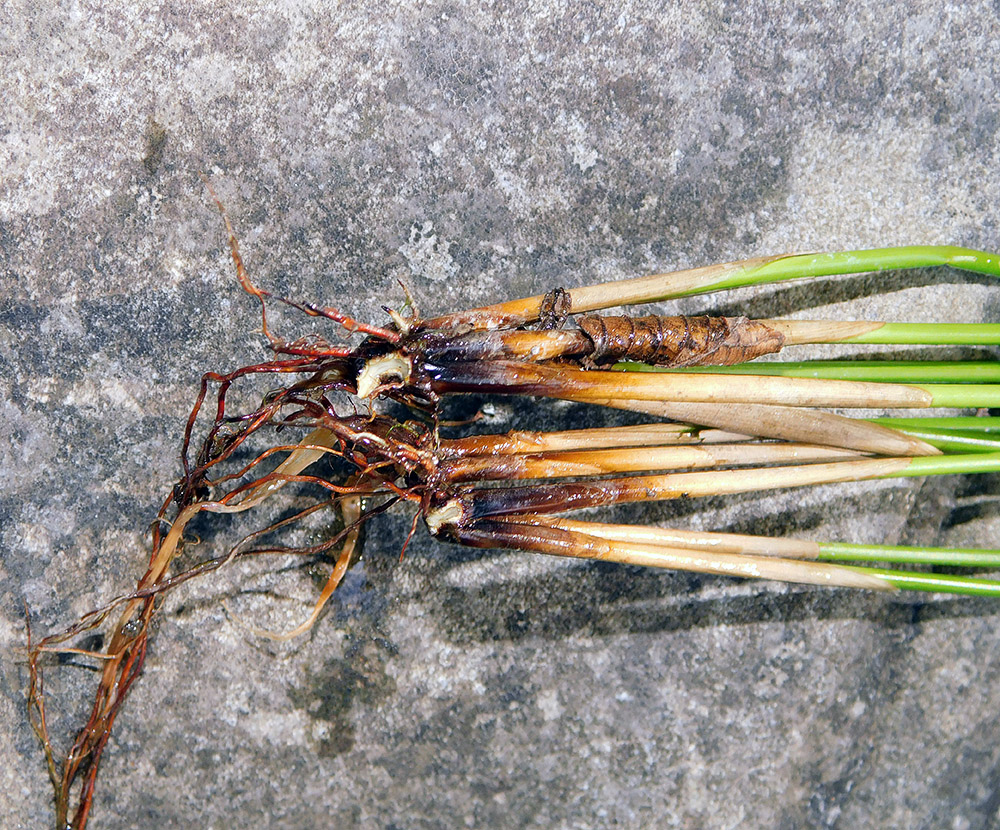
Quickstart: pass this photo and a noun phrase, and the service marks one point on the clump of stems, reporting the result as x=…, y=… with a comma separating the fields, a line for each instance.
x=717, y=424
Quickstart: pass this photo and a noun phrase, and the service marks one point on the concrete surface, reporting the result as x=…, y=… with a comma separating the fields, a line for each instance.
x=478, y=153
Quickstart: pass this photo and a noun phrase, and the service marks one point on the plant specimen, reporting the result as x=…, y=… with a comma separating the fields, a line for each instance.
x=356, y=428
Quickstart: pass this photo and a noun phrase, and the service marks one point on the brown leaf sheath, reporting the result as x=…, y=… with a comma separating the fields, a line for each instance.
x=507, y=377
x=679, y=341
x=603, y=295
x=654, y=339
x=478, y=503
x=533, y=533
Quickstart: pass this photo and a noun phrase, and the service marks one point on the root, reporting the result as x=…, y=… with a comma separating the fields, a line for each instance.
x=351, y=508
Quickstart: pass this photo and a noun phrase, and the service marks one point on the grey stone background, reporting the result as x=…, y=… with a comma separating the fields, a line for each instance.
x=477, y=153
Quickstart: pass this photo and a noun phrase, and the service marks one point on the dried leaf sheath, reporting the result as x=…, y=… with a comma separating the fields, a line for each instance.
x=784, y=423
x=579, y=463
x=518, y=378
x=640, y=435
x=653, y=339
x=671, y=550
x=679, y=341
x=477, y=503
x=539, y=538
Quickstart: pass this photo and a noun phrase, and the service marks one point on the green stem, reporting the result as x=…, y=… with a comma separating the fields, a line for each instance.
x=962, y=396
x=931, y=334
x=901, y=554
x=954, y=441
x=974, y=423
x=802, y=266
x=938, y=465
x=881, y=371
x=937, y=583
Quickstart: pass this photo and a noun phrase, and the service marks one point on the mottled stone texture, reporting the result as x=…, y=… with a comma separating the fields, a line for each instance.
x=477, y=153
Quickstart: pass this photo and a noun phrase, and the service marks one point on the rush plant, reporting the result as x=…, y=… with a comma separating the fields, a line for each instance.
x=356, y=429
